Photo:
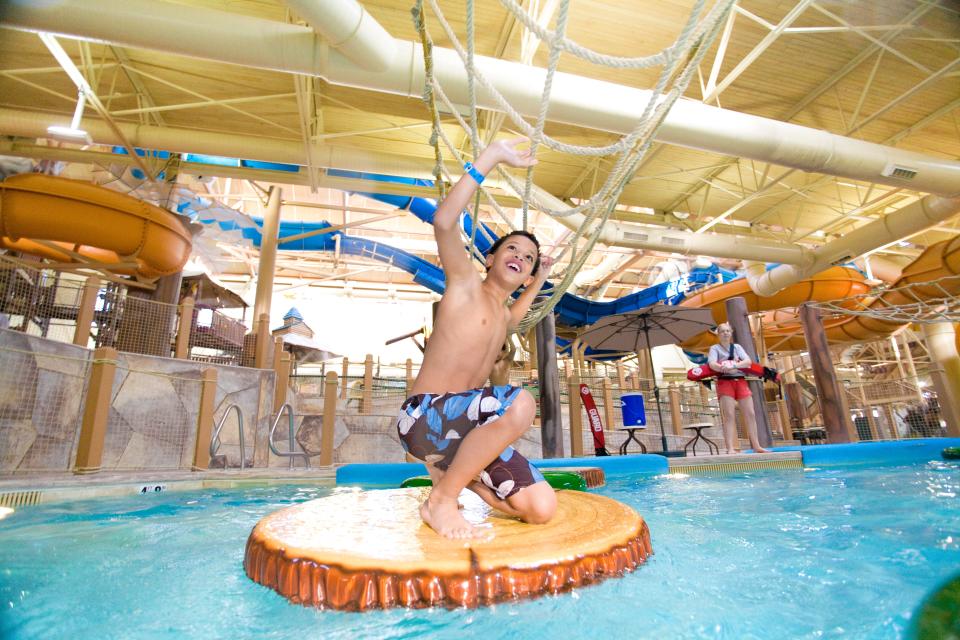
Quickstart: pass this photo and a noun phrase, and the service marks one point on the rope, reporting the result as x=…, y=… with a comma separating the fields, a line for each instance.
x=921, y=303
x=679, y=61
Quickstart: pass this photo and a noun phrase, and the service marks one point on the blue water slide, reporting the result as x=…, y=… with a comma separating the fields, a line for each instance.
x=571, y=310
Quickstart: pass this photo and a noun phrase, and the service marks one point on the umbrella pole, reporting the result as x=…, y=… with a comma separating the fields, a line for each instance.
x=656, y=396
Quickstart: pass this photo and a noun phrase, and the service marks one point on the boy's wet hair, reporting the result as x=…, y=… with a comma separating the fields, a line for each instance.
x=525, y=234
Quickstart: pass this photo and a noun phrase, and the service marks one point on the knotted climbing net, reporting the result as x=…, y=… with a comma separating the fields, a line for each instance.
x=678, y=64
x=915, y=302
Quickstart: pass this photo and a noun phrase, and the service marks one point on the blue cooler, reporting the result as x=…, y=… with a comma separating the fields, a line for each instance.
x=631, y=405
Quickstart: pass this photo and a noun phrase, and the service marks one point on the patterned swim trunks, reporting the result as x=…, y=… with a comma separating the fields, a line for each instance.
x=432, y=426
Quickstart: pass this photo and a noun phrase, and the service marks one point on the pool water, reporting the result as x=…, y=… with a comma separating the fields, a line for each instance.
x=835, y=552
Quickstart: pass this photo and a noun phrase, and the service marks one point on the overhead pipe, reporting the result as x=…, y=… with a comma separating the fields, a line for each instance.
x=227, y=37
x=349, y=29
x=913, y=218
x=32, y=125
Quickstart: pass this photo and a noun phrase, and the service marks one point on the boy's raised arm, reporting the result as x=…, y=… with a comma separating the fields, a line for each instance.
x=446, y=222
x=525, y=299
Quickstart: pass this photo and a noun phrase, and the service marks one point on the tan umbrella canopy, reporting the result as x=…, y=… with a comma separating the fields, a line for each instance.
x=645, y=328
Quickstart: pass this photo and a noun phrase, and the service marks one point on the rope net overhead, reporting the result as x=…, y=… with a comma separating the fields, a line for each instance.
x=917, y=302
x=678, y=64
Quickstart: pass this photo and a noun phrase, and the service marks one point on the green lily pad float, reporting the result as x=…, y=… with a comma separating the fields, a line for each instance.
x=556, y=479
x=951, y=453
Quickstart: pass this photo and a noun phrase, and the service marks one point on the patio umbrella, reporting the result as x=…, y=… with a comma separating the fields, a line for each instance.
x=645, y=328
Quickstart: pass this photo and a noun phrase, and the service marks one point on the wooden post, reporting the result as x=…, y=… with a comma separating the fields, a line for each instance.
x=182, y=348
x=208, y=396
x=282, y=380
x=607, y=403
x=88, y=306
x=941, y=341
x=737, y=317
x=551, y=426
x=409, y=376
x=263, y=342
x=828, y=392
x=366, y=403
x=784, y=419
x=269, y=234
x=329, y=419
x=532, y=343
x=574, y=408
x=343, y=385
x=96, y=411
x=867, y=409
x=911, y=366
x=892, y=420
x=675, y=412
x=621, y=378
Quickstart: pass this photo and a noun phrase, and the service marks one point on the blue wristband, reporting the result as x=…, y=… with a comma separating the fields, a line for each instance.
x=472, y=170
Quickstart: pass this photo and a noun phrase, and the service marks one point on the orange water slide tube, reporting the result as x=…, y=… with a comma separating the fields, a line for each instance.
x=61, y=219
x=831, y=284
x=785, y=333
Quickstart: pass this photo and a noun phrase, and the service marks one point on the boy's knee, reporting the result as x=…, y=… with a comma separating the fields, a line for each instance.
x=541, y=511
x=525, y=406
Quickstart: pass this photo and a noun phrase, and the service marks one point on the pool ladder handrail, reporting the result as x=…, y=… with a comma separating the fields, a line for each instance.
x=287, y=454
x=215, y=440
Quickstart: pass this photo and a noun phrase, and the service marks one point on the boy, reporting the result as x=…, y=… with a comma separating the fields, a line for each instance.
x=459, y=428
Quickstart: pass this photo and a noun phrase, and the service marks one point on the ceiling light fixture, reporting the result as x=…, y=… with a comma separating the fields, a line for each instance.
x=73, y=133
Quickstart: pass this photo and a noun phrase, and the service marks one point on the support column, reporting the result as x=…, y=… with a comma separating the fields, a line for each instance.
x=911, y=366
x=607, y=403
x=343, y=385
x=208, y=396
x=182, y=349
x=96, y=411
x=574, y=408
x=551, y=426
x=621, y=378
x=282, y=368
x=88, y=305
x=825, y=378
x=329, y=419
x=942, y=344
x=867, y=409
x=409, y=376
x=270, y=233
x=366, y=400
x=738, y=319
x=675, y=413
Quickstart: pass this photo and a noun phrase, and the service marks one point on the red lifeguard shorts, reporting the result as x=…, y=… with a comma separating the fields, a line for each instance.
x=736, y=388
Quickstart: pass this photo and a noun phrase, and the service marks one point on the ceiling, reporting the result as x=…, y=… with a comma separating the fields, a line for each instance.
x=882, y=72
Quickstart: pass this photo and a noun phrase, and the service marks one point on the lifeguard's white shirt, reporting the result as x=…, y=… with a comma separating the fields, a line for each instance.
x=718, y=354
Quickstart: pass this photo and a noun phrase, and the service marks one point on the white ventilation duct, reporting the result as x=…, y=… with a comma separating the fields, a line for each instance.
x=349, y=29
x=880, y=268
x=226, y=37
x=904, y=222
x=589, y=276
x=669, y=270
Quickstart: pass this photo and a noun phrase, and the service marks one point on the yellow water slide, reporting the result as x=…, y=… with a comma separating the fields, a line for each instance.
x=782, y=330
x=74, y=221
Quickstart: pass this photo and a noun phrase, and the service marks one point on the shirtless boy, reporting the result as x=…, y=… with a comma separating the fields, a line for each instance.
x=459, y=428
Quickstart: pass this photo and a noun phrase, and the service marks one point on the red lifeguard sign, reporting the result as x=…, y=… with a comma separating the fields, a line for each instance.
x=596, y=426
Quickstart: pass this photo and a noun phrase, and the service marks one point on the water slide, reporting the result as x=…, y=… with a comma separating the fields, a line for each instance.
x=941, y=260
x=147, y=241
x=72, y=220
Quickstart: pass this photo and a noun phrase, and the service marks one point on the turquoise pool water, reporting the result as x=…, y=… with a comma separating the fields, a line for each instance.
x=835, y=552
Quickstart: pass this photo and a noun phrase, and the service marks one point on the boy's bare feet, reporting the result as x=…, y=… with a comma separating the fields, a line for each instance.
x=444, y=517
x=761, y=450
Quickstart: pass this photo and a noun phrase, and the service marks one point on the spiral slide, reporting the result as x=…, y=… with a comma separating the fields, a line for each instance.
x=71, y=220
x=785, y=333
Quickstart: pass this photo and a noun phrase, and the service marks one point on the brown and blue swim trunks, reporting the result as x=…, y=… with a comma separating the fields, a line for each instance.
x=432, y=426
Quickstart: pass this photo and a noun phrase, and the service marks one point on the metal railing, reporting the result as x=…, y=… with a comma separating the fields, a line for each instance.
x=215, y=440
x=286, y=408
